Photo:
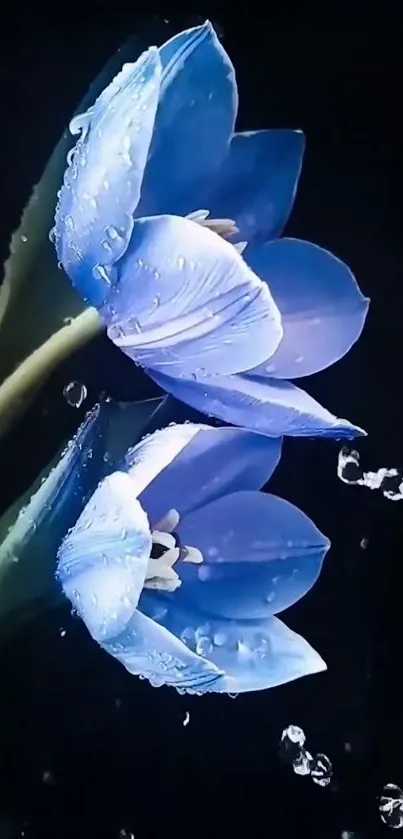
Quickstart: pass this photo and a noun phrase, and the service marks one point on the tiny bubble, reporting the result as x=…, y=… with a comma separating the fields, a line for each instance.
x=75, y=393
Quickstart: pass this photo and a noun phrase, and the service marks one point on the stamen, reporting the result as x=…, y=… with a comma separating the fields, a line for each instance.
x=224, y=227
x=193, y=555
x=166, y=550
x=162, y=538
x=169, y=522
x=240, y=247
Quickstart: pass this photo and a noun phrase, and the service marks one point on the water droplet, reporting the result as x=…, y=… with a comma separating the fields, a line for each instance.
x=188, y=636
x=111, y=231
x=24, y=238
x=292, y=743
x=48, y=777
x=181, y=262
x=186, y=720
x=99, y=272
x=391, y=806
x=364, y=543
x=62, y=633
x=70, y=155
x=302, y=764
x=219, y=639
x=321, y=770
x=204, y=646
x=75, y=393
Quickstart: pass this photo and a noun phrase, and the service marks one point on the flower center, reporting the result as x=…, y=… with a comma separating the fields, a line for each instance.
x=224, y=227
x=166, y=550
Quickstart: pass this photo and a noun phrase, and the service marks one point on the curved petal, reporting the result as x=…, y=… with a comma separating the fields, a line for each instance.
x=183, y=467
x=33, y=528
x=28, y=552
x=261, y=555
x=103, y=560
x=269, y=406
x=185, y=302
x=94, y=216
x=149, y=650
x=322, y=309
x=258, y=182
x=194, y=124
x=254, y=655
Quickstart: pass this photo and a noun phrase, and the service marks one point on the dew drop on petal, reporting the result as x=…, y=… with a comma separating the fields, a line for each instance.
x=204, y=646
x=75, y=393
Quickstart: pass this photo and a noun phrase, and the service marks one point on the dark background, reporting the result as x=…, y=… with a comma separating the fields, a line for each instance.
x=85, y=749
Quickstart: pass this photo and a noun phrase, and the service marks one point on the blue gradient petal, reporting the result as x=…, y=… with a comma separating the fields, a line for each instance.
x=185, y=300
x=103, y=560
x=255, y=655
x=269, y=406
x=101, y=190
x=183, y=467
x=147, y=649
x=194, y=124
x=258, y=182
x=28, y=552
x=322, y=309
x=32, y=529
x=261, y=555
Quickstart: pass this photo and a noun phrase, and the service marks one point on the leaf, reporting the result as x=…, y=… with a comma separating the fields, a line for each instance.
x=33, y=528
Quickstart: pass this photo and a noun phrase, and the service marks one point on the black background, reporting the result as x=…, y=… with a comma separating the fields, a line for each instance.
x=115, y=750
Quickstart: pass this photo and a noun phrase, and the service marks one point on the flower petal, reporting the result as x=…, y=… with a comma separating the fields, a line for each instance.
x=261, y=555
x=94, y=217
x=194, y=124
x=35, y=525
x=185, y=300
x=183, y=467
x=149, y=650
x=254, y=655
x=269, y=406
x=322, y=309
x=103, y=560
x=258, y=182
x=28, y=552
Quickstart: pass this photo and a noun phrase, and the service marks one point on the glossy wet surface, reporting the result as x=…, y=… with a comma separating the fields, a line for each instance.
x=86, y=750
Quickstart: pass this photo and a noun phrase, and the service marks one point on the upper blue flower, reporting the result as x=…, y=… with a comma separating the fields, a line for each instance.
x=216, y=307
x=177, y=564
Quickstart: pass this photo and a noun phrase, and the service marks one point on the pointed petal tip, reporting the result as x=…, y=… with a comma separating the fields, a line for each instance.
x=318, y=665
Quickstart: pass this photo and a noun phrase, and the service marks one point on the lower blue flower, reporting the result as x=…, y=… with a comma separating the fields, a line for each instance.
x=178, y=564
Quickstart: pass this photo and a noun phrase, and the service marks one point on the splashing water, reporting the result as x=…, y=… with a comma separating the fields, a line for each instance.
x=388, y=481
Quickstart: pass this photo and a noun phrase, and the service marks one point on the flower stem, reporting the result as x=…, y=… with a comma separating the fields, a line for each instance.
x=23, y=383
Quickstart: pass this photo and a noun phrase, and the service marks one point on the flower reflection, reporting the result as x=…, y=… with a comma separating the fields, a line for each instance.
x=178, y=564
x=218, y=309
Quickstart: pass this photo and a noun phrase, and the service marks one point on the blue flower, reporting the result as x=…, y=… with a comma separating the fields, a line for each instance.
x=178, y=564
x=218, y=309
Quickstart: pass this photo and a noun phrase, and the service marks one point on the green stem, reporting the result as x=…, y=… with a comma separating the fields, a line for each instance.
x=23, y=383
